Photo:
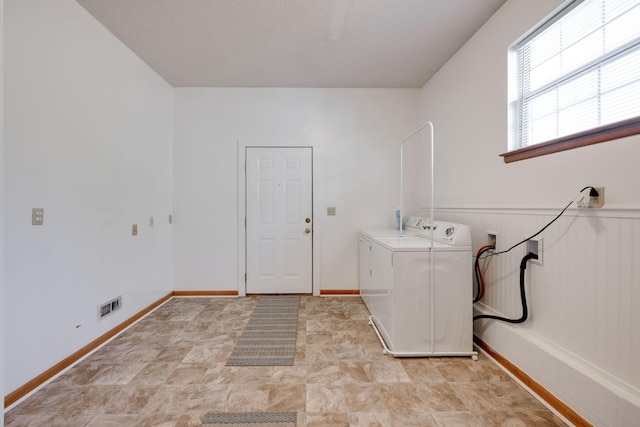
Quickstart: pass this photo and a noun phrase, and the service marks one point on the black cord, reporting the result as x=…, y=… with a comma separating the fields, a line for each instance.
x=523, y=265
x=523, y=297
x=592, y=193
x=476, y=271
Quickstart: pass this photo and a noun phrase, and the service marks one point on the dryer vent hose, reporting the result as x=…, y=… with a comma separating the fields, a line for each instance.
x=523, y=297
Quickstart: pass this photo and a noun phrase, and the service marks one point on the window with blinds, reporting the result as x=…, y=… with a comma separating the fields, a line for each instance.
x=576, y=72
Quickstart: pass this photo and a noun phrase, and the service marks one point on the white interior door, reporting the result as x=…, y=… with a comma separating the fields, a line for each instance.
x=279, y=220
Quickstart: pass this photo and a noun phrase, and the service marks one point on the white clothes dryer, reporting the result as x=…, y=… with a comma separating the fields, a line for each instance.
x=411, y=226
x=421, y=295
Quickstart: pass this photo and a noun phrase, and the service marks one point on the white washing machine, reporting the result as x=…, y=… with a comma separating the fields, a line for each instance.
x=421, y=292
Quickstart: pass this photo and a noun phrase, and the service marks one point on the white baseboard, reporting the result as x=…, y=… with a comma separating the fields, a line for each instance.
x=594, y=395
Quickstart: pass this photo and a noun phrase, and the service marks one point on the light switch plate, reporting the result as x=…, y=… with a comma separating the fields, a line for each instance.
x=37, y=216
x=331, y=211
x=134, y=230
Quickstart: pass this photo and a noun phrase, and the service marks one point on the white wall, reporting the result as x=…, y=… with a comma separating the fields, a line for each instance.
x=466, y=100
x=2, y=300
x=355, y=135
x=582, y=339
x=88, y=137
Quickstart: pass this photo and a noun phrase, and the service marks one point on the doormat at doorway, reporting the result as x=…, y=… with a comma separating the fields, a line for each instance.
x=252, y=419
x=269, y=339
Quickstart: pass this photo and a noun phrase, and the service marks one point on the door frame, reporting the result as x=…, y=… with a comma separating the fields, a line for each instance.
x=242, y=210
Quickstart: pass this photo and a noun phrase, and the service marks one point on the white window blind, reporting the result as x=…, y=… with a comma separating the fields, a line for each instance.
x=578, y=70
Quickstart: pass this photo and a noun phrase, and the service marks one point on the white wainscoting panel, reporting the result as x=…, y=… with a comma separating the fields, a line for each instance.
x=584, y=301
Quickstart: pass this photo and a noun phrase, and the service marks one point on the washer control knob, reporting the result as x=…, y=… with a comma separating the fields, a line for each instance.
x=450, y=231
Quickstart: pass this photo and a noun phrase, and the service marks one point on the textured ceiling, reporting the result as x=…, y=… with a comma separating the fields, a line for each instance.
x=294, y=43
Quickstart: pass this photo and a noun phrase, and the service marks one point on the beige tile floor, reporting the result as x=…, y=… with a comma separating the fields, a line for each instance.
x=169, y=370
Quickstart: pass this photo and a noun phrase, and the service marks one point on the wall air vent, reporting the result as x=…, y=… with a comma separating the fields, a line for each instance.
x=109, y=307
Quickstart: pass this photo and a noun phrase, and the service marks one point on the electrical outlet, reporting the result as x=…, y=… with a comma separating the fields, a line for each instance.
x=37, y=216
x=597, y=202
x=134, y=230
x=535, y=246
x=492, y=238
x=588, y=201
x=331, y=211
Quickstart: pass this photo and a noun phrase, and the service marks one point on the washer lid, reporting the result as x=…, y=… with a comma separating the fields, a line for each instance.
x=411, y=226
x=416, y=244
x=379, y=232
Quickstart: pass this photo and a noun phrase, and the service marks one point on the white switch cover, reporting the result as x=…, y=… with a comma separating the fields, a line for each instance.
x=37, y=216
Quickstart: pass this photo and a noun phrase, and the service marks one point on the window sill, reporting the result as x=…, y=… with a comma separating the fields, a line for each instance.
x=581, y=139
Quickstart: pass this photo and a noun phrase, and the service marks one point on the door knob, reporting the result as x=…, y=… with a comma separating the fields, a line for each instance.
x=307, y=230
x=308, y=220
